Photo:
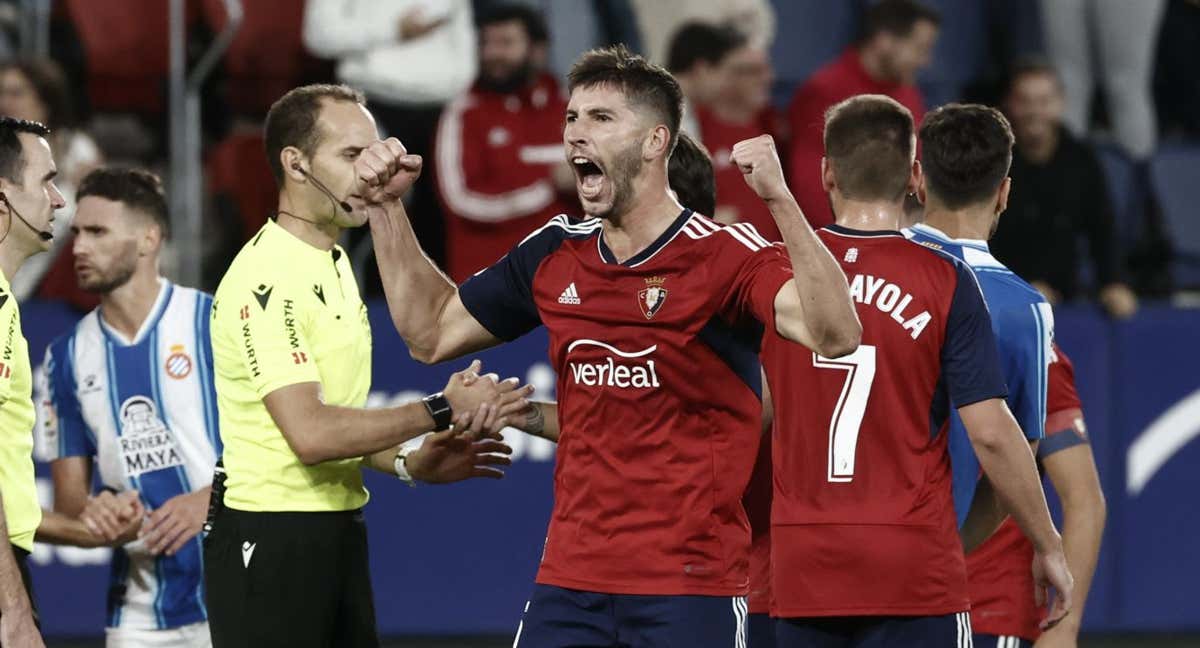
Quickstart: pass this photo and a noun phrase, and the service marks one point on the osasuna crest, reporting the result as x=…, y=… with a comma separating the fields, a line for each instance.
x=653, y=296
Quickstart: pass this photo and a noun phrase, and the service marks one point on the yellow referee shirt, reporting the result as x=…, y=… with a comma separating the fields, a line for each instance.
x=287, y=313
x=22, y=512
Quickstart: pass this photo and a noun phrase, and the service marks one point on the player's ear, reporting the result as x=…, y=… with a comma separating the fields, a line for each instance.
x=828, y=181
x=658, y=144
x=914, y=178
x=1002, y=195
x=921, y=195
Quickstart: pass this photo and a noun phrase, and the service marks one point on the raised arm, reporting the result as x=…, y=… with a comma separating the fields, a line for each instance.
x=814, y=308
x=423, y=302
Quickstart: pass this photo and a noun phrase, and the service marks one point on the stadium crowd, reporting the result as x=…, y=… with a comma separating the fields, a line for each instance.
x=476, y=88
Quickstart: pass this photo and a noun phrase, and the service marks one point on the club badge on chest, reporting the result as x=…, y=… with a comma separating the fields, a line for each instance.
x=653, y=296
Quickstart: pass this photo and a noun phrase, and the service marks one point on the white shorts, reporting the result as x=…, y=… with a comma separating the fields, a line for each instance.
x=189, y=636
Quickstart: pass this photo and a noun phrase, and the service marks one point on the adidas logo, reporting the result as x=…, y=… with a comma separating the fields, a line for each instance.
x=570, y=296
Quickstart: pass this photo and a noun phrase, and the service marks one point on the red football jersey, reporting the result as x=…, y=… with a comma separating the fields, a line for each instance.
x=758, y=510
x=658, y=396
x=1000, y=570
x=733, y=194
x=862, y=522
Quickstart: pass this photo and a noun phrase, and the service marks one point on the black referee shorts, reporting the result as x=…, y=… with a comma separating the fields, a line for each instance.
x=299, y=580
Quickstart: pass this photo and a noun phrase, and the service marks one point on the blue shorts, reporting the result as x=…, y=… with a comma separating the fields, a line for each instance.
x=996, y=641
x=556, y=617
x=948, y=631
x=761, y=631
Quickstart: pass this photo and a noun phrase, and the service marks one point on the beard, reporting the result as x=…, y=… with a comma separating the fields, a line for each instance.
x=625, y=167
x=515, y=79
x=114, y=278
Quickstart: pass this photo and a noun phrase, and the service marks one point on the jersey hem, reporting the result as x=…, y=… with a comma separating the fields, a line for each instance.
x=871, y=610
x=252, y=507
x=640, y=589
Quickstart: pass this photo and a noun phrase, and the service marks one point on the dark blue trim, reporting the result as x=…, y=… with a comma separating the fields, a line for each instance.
x=659, y=243
x=838, y=229
x=1058, y=441
x=738, y=348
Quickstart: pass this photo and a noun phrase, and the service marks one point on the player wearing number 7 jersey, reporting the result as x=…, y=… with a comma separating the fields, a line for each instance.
x=865, y=549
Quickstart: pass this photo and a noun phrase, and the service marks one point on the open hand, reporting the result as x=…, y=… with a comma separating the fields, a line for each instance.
x=450, y=455
x=467, y=390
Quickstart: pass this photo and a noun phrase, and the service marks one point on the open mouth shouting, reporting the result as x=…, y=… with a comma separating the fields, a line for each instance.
x=589, y=178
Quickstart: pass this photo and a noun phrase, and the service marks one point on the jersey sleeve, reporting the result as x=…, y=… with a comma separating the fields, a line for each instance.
x=274, y=345
x=500, y=297
x=970, y=361
x=763, y=268
x=1024, y=334
x=63, y=431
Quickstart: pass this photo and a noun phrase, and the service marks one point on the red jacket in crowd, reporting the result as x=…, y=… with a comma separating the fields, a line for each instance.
x=494, y=156
x=837, y=80
x=736, y=201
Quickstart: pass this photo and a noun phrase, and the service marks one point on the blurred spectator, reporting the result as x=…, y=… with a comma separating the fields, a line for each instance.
x=897, y=38
x=410, y=57
x=1110, y=43
x=727, y=80
x=577, y=26
x=1059, y=196
x=1176, y=83
x=694, y=58
x=500, y=168
x=660, y=20
x=36, y=89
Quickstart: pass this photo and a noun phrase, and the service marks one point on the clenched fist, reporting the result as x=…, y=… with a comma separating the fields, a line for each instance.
x=758, y=161
x=384, y=171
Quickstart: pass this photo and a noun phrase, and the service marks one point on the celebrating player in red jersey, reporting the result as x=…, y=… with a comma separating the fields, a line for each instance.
x=655, y=316
x=1003, y=612
x=865, y=548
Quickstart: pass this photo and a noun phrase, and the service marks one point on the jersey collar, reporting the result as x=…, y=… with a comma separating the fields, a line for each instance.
x=935, y=233
x=847, y=231
x=287, y=243
x=659, y=243
x=165, y=290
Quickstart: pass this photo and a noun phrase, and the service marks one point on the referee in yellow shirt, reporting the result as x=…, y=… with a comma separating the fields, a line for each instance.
x=28, y=199
x=286, y=556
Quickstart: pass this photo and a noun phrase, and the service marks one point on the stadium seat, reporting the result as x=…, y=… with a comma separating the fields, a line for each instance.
x=241, y=181
x=810, y=34
x=267, y=56
x=1175, y=176
x=126, y=52
x=1127, y=199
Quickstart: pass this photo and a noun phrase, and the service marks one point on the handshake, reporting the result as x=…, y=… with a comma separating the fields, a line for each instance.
x=483, y=405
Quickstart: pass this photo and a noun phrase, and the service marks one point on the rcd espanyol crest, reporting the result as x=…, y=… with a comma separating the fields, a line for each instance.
x=653, y=296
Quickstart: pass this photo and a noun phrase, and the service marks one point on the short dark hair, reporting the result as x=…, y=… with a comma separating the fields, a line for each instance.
x=292, y=120
x=966, y=150
x=897, y=17
x=869, y=142
x=51, y=86
x=700, y=41
x=136, y=188
x=531, y=19
x=641, y=81
x=12, y=153
x=690, y=174
x=1031, y=66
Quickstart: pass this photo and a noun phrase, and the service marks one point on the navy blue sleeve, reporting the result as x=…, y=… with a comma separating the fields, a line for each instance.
x=970, y=362
x=500, y=297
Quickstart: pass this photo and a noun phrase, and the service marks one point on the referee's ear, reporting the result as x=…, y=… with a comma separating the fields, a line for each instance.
x=292, y=160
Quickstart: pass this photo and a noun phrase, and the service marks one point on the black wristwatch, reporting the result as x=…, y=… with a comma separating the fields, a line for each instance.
x=439, y=409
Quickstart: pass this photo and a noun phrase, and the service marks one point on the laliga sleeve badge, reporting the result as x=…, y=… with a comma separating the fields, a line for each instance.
x=653, y=296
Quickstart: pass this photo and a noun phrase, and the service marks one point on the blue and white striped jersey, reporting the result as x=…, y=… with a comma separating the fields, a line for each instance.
x=146, y=410
x=1024, y=327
